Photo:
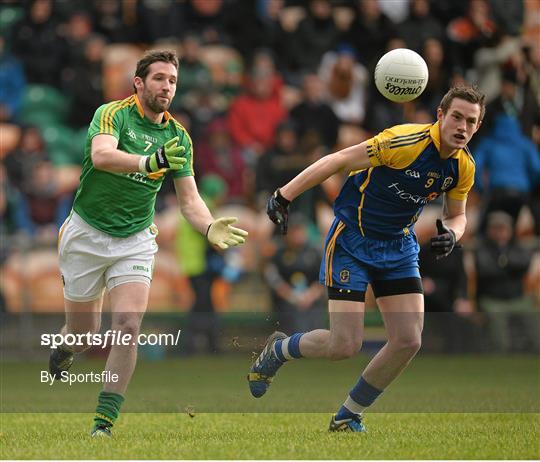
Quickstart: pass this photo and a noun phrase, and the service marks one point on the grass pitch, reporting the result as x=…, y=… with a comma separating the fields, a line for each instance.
x=272, y=436
x=442, y=407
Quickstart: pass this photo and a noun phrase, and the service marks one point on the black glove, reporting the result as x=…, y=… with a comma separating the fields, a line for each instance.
x=277, y=210
x=444, y=242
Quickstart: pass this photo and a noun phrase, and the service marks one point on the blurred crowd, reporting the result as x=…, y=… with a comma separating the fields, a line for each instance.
x=267, y=87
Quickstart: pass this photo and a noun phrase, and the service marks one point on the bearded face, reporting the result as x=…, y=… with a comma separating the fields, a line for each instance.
x=158, y=87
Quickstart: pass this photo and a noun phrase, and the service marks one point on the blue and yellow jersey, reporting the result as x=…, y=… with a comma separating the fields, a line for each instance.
x=385, y=200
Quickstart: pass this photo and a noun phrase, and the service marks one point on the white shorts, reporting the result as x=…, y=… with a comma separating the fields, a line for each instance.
x=91, y=260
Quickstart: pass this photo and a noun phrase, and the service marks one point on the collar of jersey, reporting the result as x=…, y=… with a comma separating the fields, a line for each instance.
x=435, y=134
x=141, y=112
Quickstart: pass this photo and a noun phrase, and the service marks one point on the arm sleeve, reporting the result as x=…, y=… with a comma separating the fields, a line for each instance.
x=185, y=140
x=107, y=120
x=465, y=180
x=399, y=146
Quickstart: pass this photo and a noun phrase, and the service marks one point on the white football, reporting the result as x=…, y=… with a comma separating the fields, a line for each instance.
x=401, y=75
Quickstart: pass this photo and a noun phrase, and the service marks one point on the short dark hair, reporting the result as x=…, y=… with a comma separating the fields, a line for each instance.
x=154, y=56
x=466, y=92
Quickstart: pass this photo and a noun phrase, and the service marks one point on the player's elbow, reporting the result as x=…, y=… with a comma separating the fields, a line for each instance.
x=98, y=159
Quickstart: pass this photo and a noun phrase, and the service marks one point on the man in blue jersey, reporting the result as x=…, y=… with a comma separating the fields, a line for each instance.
x=372, y=241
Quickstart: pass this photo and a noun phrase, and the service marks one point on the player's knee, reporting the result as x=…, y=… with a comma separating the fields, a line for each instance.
x=407, y=345
x=344, y=349
x=127, y=324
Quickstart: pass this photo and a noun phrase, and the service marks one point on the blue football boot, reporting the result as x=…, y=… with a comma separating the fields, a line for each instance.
x=354, y=424
x=265, y=367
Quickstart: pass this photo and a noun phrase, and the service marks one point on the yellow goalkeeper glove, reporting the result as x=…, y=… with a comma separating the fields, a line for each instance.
x=221, y=234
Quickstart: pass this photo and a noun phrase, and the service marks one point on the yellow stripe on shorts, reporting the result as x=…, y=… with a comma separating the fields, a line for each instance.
x=330, y=253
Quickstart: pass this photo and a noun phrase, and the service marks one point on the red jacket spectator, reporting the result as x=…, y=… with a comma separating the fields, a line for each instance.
x=254, y=116
x=217, y=154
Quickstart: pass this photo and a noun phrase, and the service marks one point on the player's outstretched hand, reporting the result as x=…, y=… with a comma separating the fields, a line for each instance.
x=443, y=244
x=221, y=234
x=277, y=210
x=170, y=156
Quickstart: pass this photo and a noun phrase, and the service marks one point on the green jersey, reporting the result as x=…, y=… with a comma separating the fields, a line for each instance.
x=121, y=204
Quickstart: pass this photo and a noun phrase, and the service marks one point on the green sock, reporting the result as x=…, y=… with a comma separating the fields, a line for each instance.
x=108, y=408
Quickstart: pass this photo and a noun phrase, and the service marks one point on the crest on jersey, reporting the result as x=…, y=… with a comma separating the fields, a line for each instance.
x=131, y=134
x=344, y=276
x=447, y=183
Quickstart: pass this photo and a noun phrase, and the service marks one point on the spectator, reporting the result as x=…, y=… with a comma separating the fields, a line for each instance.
x=313, y=116
x=438, y=82
x=532, y=68
x=501, y=265
x=253, y=26
x=535, y=196
x=397, y=10
x=78, y=30
x=447, y=306
x=195, y=79
x=160, y=20
x=12, y=221
x=42, y=204
x=21, y=161
x=489, y=62
x=219, y=155
x=209, y=19
x=280, y=163
x=114, y=19
x=12, y=83
x=346, y=81
x=511, y=163
x=38, y=45
x=508, y=16
x=85, y=82
x=369, y=32
x=445, y=12
x=420, y=26
x=233, y=79
x=514, y=100
x=263, y=61
x=468, y=33
x=316, y=34
x=293, y=276
x=254, y=115
x=203, y=265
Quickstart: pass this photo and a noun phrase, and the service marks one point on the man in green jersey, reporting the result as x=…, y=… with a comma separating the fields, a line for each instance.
x=108, y=241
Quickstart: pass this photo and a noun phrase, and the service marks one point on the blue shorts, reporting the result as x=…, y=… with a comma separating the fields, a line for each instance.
x=351, y=261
